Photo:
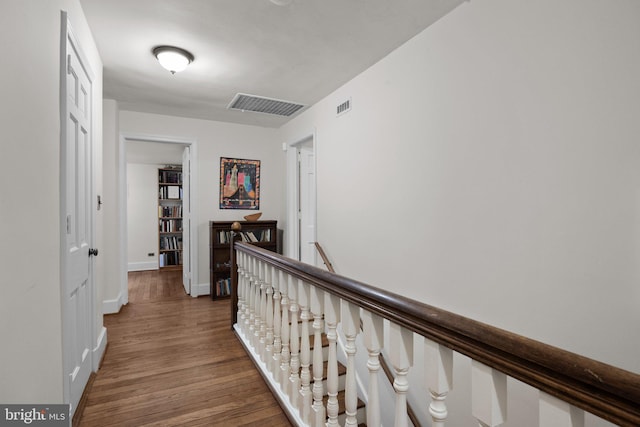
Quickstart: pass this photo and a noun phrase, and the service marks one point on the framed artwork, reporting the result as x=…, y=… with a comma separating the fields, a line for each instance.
x=239, y=184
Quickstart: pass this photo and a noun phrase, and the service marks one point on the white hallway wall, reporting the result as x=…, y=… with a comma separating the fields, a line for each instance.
x=491, y=167
x=30, y=315
x=142, y=216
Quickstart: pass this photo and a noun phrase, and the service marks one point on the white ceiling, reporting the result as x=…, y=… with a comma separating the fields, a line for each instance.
x=300, y=52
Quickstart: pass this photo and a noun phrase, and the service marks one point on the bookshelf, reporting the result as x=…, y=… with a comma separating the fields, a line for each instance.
x=170, y=217
x=260, y=233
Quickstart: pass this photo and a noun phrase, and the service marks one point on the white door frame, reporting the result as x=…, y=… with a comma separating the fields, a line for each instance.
x=292, y=249
x=122, y=196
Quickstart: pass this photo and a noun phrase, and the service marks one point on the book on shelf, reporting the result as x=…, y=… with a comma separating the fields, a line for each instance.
x=170, y=176
x=223, y=287
x=167, y=259
x=254, y=236
x=170, y=211
x=224, y=237
x=169, y=243
x=169, y=225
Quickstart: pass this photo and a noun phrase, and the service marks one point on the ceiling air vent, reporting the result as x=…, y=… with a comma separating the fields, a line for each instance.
x=260, y=104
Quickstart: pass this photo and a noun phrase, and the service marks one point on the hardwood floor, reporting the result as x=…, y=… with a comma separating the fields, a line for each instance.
x=172, y=360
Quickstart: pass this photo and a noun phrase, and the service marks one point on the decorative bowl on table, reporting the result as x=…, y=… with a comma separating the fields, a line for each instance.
x=253, y=217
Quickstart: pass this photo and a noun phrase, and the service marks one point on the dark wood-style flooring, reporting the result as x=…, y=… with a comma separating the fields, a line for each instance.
x=172, y=360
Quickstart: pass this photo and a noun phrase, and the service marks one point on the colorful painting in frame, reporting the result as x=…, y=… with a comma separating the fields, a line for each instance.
x=239, y=184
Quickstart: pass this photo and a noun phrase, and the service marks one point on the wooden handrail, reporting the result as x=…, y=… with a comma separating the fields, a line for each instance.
x=324, y=257
x=601, y=389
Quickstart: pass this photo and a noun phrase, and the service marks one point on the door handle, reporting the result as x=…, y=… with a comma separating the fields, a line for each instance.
x=93, y=252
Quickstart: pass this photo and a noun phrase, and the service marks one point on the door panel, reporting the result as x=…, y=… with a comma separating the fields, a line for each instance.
x=186, y=220
x=307, y=205
x=76, y=199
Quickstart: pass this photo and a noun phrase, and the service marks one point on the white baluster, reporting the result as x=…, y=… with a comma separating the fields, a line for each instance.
x=350, y=314
x=263, y=311
x=277, y=324
x=246, y=284
x=558, y=413
x=268, y=352
x=240, y=314
x=373, y=330
x=317, y=304
x=401, y=355
x=305, y=352
x=439, y=379
x=285, y=368
x=294, y=377
x=332, y=317
x=252, y=304
x=247, y=296
x=257, y=306
x=488, y=395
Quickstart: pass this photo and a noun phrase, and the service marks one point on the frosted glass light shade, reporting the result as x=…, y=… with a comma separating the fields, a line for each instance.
x=172, y=58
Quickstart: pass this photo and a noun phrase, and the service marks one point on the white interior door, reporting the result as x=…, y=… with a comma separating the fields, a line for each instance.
x=77, y=227
x=186, y=220
x=307, y=204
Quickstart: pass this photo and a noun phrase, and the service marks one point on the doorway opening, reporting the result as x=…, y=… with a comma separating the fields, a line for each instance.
x=302, y=200
x=146, y=155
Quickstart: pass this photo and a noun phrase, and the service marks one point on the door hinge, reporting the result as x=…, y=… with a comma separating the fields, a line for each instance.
x=68, y=224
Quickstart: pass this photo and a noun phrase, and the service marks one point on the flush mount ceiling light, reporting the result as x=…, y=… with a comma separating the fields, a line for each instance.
x=172, y=58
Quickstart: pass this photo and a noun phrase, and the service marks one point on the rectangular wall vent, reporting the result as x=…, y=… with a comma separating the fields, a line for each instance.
x=344, y=107
x=261, y=104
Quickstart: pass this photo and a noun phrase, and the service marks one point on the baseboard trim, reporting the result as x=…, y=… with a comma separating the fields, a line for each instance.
x=200, y=289
x=112, y=306
x=100, y=350
x=77, y=415
x=142, y=266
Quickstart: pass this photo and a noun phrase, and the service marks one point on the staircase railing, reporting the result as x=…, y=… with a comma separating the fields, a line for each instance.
x=269, y=290
x=383, y=363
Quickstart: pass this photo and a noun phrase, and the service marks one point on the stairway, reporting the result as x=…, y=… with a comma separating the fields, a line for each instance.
x=342, y=372
x=276, y=388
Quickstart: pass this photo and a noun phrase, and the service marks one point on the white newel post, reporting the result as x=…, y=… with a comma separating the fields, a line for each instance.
x=350, y=314
x=401, y=355
x=318, y=416
x=557, y=413
x=274, y=365
x=439, y=379
x=305, y=351
x=285, y=369
x=373, y=330
x=268, y=351
x=294, y=378
x=488, y=395
x=332, y=317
